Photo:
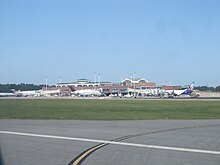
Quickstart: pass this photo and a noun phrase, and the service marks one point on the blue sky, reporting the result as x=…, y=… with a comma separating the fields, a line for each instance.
x=172, y=41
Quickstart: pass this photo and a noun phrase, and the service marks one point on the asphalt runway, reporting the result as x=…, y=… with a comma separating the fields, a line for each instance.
x=163, y=142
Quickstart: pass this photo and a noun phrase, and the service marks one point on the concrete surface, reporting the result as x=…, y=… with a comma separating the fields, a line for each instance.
x=189, y=134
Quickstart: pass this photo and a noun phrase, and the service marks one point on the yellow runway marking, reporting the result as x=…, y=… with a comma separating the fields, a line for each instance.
x=87, y=153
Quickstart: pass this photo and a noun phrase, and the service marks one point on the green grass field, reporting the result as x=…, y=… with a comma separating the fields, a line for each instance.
x=108, y=109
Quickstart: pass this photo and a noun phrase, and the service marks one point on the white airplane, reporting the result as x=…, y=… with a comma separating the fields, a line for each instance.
x=6, y=94
x=27, y=93
x=85, y=92
x=50, y=92
x=187, y=91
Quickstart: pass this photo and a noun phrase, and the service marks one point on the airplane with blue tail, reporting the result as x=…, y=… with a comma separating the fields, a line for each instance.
x=186, y=91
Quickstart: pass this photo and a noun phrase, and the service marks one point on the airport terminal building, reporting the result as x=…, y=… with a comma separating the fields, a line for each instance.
x=84, y=83
x=127, y=87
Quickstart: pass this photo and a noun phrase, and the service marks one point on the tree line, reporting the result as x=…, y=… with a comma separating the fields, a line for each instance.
x=7, y=88
x=206, y=88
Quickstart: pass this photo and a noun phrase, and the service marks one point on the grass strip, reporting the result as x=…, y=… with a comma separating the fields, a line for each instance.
x=76, y=109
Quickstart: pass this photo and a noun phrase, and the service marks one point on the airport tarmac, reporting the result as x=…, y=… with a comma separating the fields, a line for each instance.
x=152, y=142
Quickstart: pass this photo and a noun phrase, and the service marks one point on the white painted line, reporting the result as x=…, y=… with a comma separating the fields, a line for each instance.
x=112, y=142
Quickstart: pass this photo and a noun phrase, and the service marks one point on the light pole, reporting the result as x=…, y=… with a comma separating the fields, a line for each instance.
x=94, y=80
x=46, y=83
x=134, y=86
x=60, y=80
x=99, y=78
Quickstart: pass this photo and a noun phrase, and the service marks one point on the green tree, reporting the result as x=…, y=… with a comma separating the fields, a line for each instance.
x=7, y=88
x=217, y=89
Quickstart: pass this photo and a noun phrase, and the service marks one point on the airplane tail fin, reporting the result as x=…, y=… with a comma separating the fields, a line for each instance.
x=13, y=91
x=71, y=88
x=191, y=86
